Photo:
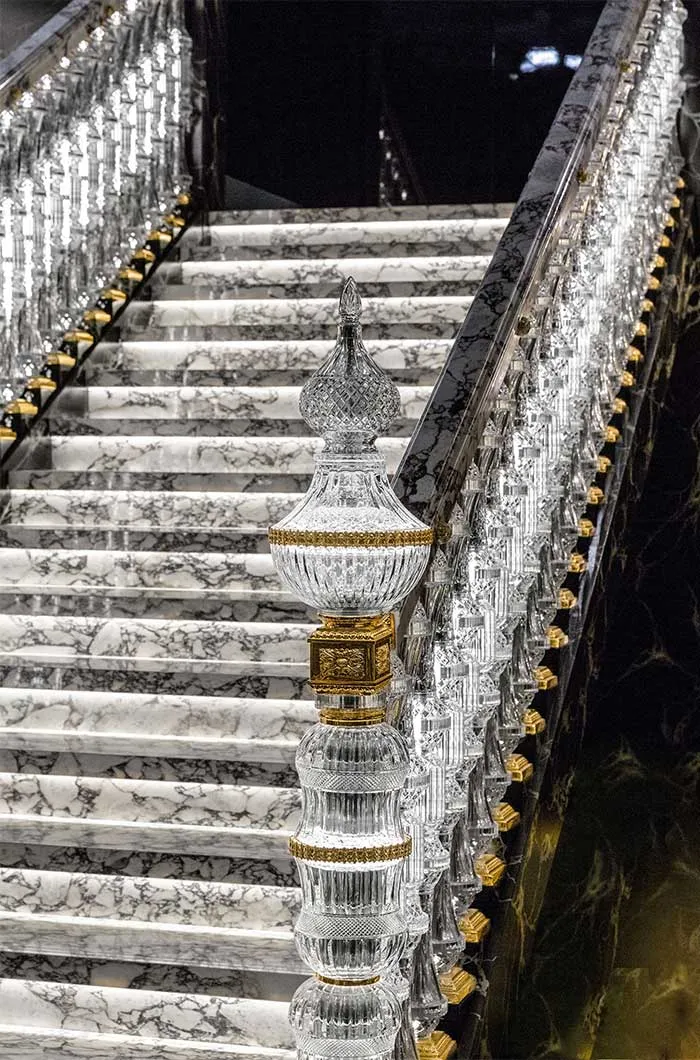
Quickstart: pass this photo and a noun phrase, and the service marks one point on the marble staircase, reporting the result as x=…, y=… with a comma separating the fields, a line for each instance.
x=153, y=672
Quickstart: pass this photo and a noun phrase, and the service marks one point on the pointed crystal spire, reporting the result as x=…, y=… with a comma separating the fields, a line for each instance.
x=349, y=400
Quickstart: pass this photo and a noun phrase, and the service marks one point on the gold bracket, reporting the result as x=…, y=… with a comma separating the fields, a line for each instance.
x=546, y=680
x=567, y=600
x=20, y=407
x=534, y=722
x=585, y=527
x=506, y=817
x=456, y=984
x=557, y=637
x=612, y=435
x=474, y=926
x=519, y=768
x=489, y=869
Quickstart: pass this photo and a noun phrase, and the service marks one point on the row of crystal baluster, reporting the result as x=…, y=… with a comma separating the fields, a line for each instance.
x=89, y=159
x=526, y=512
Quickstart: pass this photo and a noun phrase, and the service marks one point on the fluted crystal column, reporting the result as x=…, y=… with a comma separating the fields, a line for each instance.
x=351, y=550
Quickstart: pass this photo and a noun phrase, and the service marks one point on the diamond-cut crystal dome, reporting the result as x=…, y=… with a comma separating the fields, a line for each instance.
x=349, y=400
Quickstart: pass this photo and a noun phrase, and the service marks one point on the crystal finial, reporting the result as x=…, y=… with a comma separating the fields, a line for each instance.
x=349, y=400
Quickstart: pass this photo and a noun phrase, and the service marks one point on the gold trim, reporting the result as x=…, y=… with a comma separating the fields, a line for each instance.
x=595, y=495
x=647, y=306
x=426, y=1049
x=7, y=434
x=557, y=637
x=619, y=407
x=534, y=722
x=627, y=379
x=41, y=382
x=21, y=407
x=506, y=817
x=634, y=356
x=658, y=262
x=577, y=565
x=351, y=855
x=640, y=330
x=612, y=435
x=143, y=254
x=133, y=275
x=456, y=984
x=183, y=199
x=175, y=220
x=680, y=183
x=653, y=283
x=97, y=316
x=489, y=869
x=347, y=982
x=546, y=680
x=65, y=360
x=669, y=222
x=567, y=600
x=664, y=242
x=78, y=335
x=519, y=768
x=160, y=237
x=585, y=527
x=445, y=1045
x=351, y=718
x=474, y=925
x=351, y=538
x=114, y=293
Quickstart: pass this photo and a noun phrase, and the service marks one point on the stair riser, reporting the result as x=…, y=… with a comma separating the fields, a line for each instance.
x=143, y=330
x=201, y=428
x=64, y=936
x=157, y=682
x=100, y=760
x=58, y=1045
x=202, y=285
x=61, y=537
x=183, y=482
x=179, y=1016
x=280, y=872
x=52, y=831
x=476, y=243
x=175, y=606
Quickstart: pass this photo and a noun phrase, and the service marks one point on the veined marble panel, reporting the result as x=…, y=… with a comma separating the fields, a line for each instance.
x=311, y=214
x=249, y=455
x=279, y=312
x=145, y=509
x=158, y=1016
x=285, y=362
x=235, y=820
x=162, y=921
x=126, y=643
x=219, y=403
x=254, y=730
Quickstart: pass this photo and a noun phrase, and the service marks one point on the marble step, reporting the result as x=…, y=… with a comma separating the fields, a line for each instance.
x=204, y=410
x=321, y=278
x=43, y=1020
x=184, y=462
x=285, y=363
x=141, y=519
x=160, y=584
x=341, y=238
x=241, y=926
x=156, y=645
x=328, y=214
x=154, y=726
x=291, y=318
x=238, y=821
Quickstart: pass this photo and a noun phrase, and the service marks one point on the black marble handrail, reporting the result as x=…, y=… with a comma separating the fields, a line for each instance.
x=40, y=52
x=443, y=445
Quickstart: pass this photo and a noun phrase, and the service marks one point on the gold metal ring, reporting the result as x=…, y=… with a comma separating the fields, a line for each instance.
x=351, y=538
x=354, y=855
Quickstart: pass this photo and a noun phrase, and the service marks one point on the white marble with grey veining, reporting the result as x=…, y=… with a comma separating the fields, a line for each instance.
x=109, y=723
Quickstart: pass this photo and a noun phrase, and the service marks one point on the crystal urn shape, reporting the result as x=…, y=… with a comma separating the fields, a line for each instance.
x=354, y=552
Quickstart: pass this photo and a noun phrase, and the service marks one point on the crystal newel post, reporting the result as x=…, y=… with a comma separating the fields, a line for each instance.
x=351, y=550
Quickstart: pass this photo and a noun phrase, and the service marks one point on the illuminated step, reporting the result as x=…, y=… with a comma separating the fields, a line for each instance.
x=157, y=726
x=270, y=648
x=234, y=820
x=43, y=1020
x=186, y=922
x=283, y=362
